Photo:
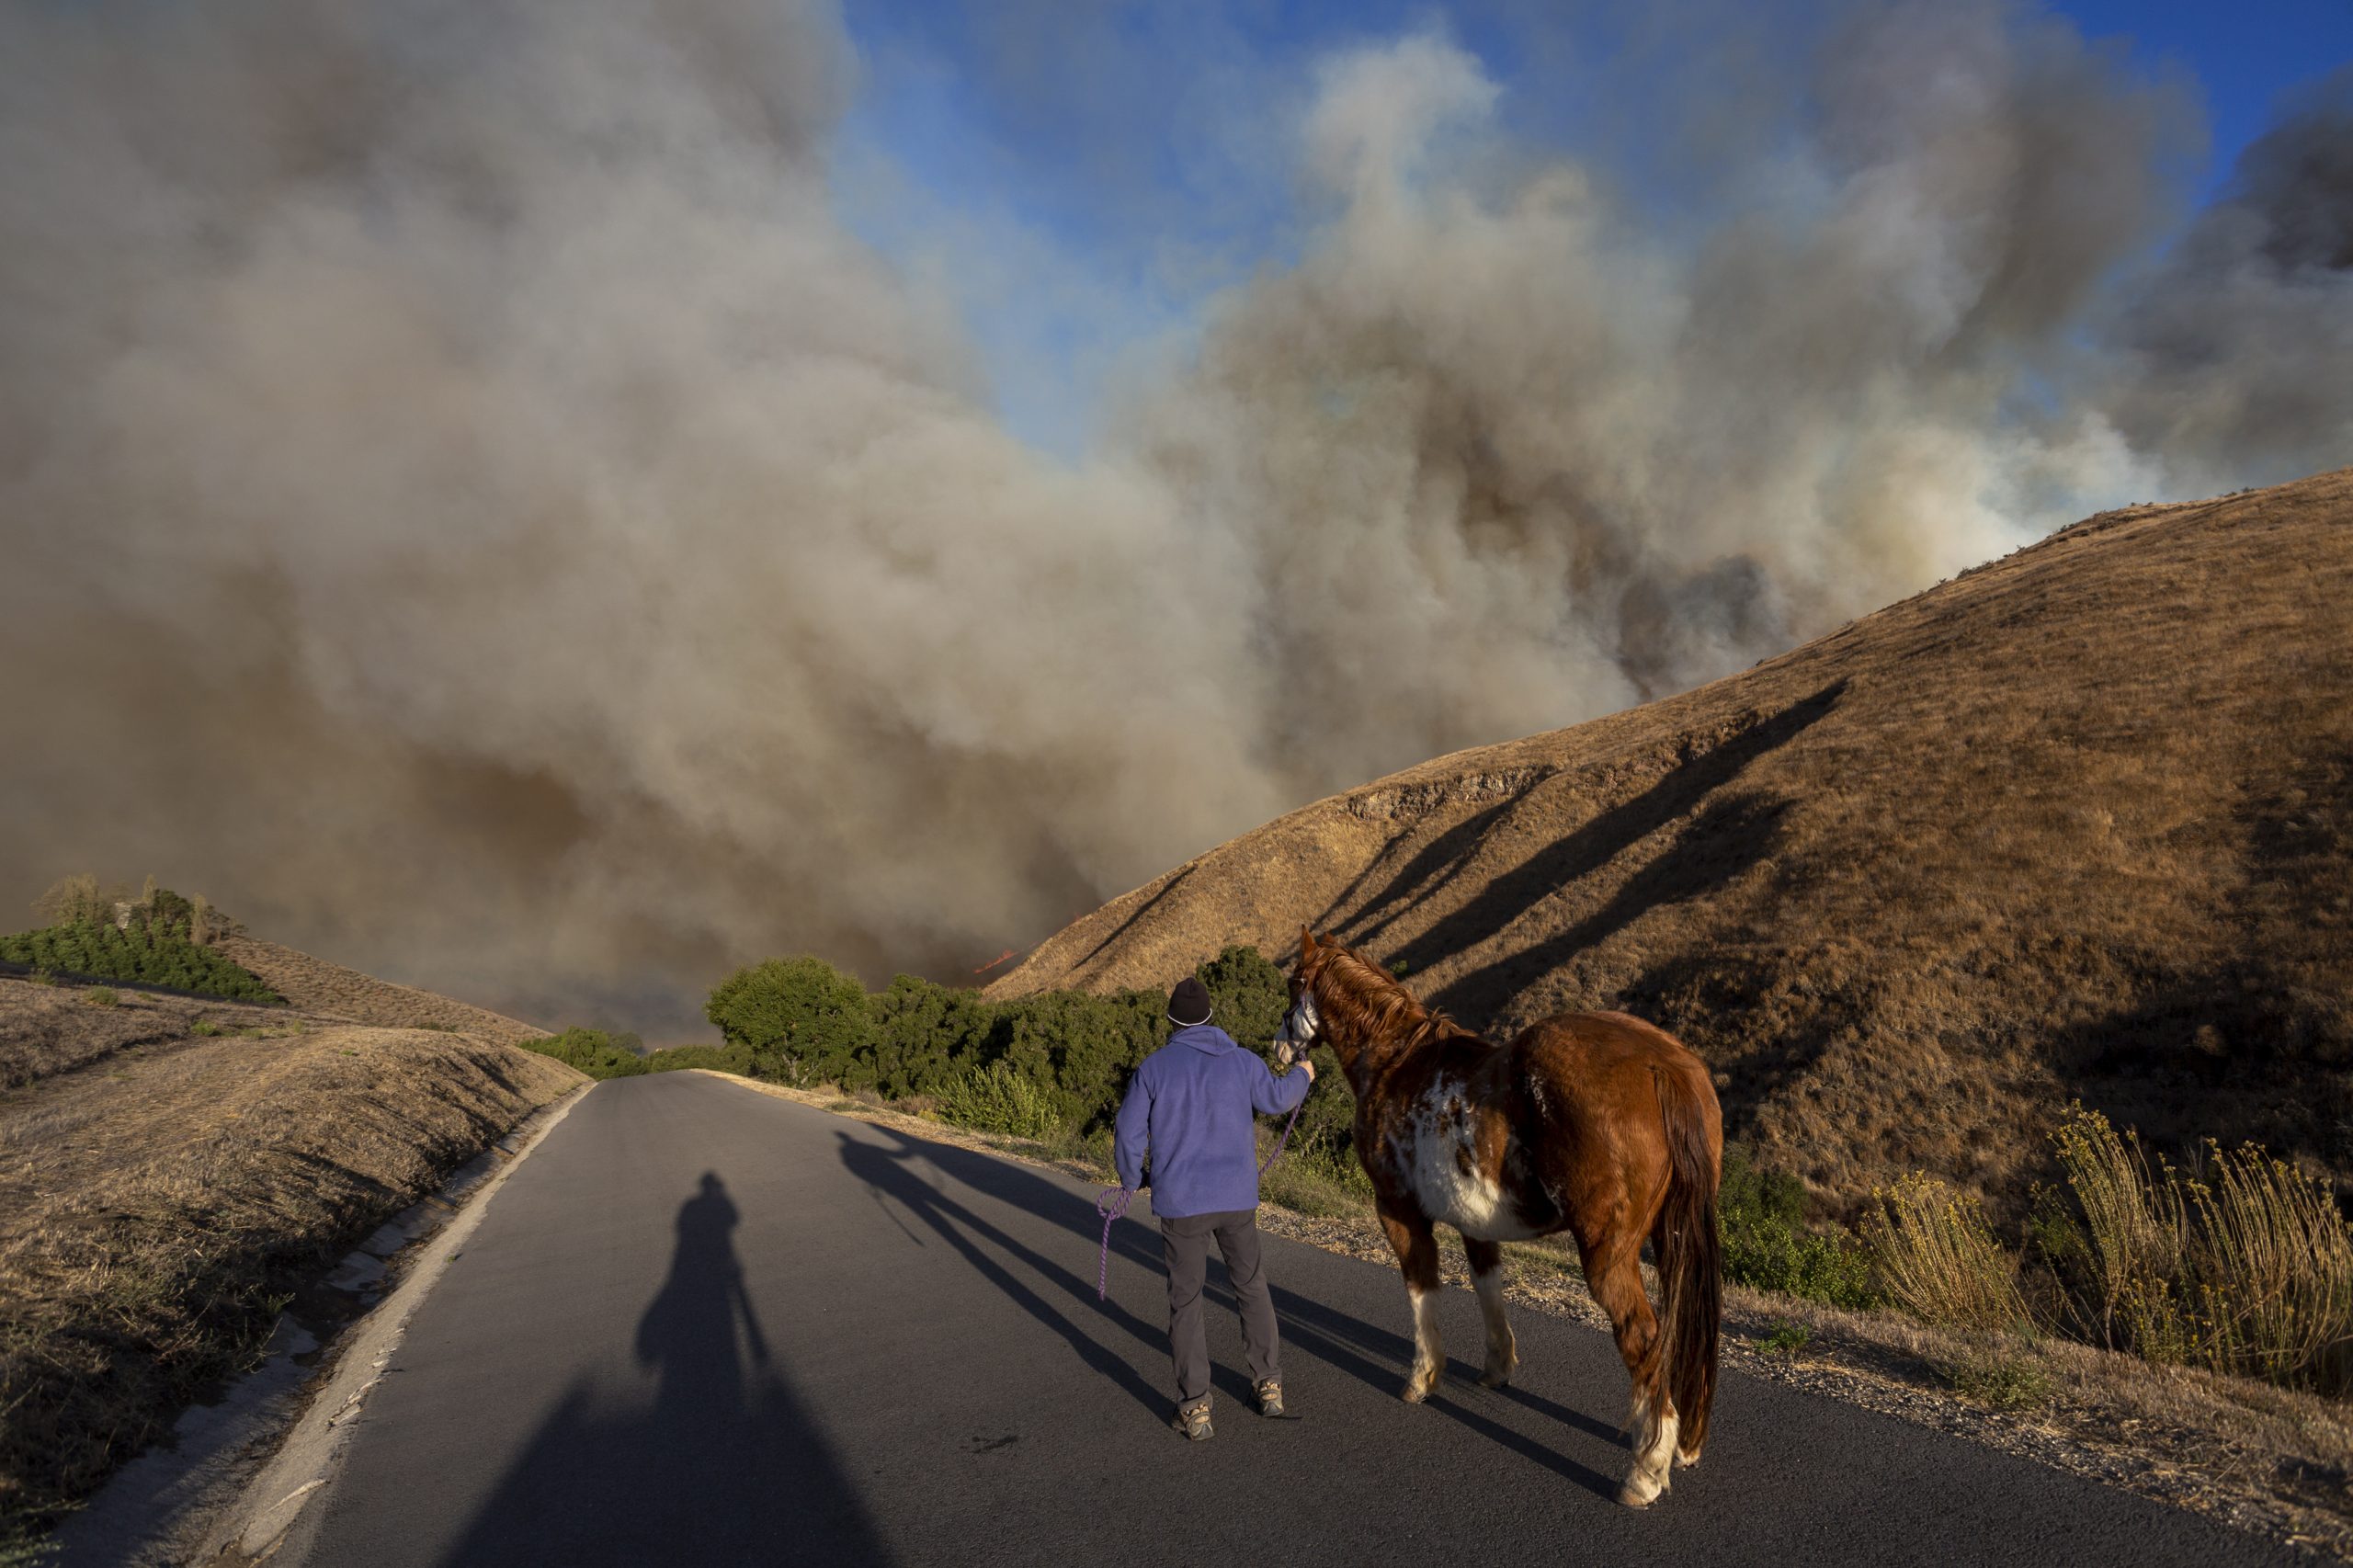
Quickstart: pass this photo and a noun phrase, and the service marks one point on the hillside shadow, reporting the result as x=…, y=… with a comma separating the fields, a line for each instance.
x=2202, y=1045
x=1703, y=992
x=1432, y=864
x=1607, y=836
x=1147, y=908
x=726, y=1465
x=1729, y=837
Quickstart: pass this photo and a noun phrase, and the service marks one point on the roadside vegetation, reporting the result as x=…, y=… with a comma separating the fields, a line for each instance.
x=603, y=1054
x=157, y=938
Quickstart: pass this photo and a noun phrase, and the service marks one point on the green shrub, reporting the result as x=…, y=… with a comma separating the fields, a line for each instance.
x=925, y=1034
x=803, y=1020
x=1001, y=1099
x=1082, y=1046
x=1247, y=995
x=155, y=946
x=735, y=1059
x=100, y=997
x=1761, y=1218
x=2000, y=1377
x=594, y=1052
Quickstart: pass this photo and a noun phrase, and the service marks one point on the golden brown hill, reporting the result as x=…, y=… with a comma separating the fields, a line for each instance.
x=329, y=990
x=2076, y=823
x=171, y=1166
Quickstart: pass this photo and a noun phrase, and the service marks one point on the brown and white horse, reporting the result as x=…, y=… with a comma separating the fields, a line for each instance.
x=1594, y=1123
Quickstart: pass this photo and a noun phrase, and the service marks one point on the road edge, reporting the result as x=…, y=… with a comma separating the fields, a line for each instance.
x=271, y=1503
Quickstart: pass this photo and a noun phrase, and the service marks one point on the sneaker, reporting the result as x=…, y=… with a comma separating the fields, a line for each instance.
x=1270, y=1397
x=1194, y=1423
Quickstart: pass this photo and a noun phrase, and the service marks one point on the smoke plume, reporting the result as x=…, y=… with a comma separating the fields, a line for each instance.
x=472, y=508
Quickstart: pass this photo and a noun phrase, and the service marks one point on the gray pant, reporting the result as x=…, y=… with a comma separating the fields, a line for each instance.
x=1184, y=1243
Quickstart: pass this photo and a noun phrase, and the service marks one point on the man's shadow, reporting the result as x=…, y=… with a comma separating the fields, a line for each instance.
x=890, y=1173
x=687, y=1334
x=725, y=1465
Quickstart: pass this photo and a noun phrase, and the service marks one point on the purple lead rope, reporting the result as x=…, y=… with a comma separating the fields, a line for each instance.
x=1103, y=1262
x=1111, y=1210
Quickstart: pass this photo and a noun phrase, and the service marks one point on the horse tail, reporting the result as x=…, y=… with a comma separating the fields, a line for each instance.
x=1689, y=1262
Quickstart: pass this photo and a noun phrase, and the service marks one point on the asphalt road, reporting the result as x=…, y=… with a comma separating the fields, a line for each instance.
x=704, y=1325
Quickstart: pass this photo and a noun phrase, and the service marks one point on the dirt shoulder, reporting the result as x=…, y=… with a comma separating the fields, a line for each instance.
x=171, y=1170
x=2264, y=1461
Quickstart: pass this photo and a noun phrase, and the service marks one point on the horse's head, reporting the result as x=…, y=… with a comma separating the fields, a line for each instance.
x=1303, y=1026
x=1340, y=998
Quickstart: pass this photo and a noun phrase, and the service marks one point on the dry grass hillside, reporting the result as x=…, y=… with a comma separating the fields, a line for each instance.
x=329, y=990
x=173, y=1167
x=2076, y=823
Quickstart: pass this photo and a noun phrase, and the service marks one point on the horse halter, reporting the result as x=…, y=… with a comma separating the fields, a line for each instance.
x=1298, y=1029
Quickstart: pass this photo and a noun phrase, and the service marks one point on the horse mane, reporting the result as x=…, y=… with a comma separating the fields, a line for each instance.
x=1371, y=1001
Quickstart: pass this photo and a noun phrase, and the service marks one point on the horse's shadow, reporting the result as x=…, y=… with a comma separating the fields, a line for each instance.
x=1371, y=1356
x=1376, y=1357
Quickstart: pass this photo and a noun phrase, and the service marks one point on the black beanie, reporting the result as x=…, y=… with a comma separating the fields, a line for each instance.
x=1188, y=1004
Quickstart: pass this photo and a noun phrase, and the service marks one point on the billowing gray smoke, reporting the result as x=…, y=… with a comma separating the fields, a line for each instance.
x=2236, y=356
x=471, y=507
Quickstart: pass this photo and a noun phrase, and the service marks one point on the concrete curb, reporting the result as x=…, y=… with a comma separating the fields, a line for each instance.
x=239, y=1473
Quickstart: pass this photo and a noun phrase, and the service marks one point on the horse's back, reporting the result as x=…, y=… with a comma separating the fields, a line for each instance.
x=1608, y=1043
x=1585, y=1065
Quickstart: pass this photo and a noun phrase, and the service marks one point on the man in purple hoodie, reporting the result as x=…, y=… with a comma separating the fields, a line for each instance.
x=1192, y=1104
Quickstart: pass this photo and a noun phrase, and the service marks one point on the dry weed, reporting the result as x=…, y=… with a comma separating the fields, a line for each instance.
x=1936, y=1257
x=2247, y=1271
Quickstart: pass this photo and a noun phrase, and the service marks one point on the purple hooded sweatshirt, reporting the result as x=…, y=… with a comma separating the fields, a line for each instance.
x=1191, y=1103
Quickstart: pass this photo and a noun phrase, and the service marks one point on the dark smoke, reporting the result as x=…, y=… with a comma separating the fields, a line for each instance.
x=2235, y=359
x=471, y=507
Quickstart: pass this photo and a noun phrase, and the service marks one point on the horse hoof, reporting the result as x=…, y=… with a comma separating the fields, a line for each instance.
x=1640, y=1491
x=1684, y=1461
x=1493, y=1379
x=1413, y=1393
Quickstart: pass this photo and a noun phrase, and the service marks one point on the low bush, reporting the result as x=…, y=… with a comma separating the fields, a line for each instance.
x=151, y=942
x=100, y=997
x=1767, y=1245
x=594, y=1052
x=803, y=1021
x=2001, y=1377
x=998, y=1098
x=1314, y=1178
x=735, y=1059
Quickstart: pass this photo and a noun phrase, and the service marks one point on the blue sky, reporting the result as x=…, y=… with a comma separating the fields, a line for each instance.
x=1082, y=177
